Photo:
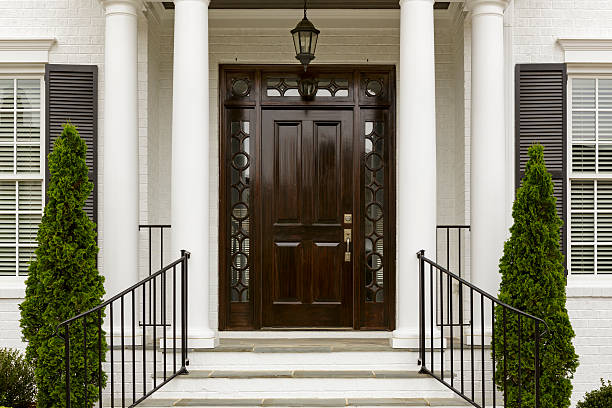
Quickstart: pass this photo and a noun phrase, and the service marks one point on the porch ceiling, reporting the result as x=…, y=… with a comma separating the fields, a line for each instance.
x=298, y=4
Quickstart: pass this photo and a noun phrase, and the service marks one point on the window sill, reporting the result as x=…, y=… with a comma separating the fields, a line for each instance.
x=589, y=286
x=12, y=287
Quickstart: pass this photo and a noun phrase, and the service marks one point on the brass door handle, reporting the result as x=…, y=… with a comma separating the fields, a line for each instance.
x=347, y=253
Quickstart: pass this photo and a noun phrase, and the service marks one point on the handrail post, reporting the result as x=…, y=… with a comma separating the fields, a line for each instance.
x=184, y=310
x=421, y=256
x=67, y=355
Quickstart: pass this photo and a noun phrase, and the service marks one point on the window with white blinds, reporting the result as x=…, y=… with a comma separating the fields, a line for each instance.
x=21, y=173
x=590, y=204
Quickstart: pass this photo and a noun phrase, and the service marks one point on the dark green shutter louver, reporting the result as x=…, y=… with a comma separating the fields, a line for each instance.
x=72, y=95
x=541, y=117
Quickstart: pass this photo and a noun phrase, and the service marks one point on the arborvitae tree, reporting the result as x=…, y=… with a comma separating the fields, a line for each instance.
x=533, y=280
x=64, y=281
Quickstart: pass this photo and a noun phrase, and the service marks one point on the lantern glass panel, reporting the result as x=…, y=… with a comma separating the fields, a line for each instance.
x=313, y=45
x=296, y=42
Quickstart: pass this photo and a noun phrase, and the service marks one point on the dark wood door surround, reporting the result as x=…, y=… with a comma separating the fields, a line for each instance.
x=296, y=176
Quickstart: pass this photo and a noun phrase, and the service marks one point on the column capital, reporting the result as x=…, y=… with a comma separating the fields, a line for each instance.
x=491, y=7
x=404, y=2
x=130, y=7
x=207, y=2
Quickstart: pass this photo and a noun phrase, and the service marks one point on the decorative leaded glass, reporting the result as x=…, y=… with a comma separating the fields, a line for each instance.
x=374, y=214
x=328, y=87
x=239, y=207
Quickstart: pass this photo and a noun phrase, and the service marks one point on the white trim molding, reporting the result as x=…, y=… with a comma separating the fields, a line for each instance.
x=25, y=50
x=586, y=51
x=24, y=55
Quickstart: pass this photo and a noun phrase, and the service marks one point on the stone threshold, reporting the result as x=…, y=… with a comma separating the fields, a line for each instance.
x=306, y=402
x=244, y=374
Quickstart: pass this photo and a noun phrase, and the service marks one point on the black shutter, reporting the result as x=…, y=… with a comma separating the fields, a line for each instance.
x=541, y=117
x=72, y=96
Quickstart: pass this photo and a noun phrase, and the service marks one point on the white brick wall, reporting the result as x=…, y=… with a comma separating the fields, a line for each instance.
x=590, y=310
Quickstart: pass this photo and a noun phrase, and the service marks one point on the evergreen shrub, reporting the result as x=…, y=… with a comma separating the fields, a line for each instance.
x=17, y=387
x=63, y=281
x=533, y=280
x=600, y=398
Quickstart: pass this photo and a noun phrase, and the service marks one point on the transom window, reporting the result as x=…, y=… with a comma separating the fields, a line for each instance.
x=21, y=171
x=590, y=170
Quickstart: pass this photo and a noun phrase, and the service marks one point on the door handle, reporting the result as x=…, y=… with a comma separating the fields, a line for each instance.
x=347, y=237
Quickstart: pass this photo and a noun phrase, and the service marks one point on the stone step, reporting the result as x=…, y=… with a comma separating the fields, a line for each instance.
x=303, y=354
x=306, y=402
x=237, y=374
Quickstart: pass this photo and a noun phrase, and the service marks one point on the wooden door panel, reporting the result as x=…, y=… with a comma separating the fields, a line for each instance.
x=287, y=159
x=288, y=272
x=327, y=179
x=327, y=272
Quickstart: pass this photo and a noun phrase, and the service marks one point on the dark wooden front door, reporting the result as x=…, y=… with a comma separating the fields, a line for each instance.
x=307, y=182
x=295, y=175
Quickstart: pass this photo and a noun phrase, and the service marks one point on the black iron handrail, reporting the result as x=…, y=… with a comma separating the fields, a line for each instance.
x=178, y=293
x=449, y=231
x=149, y=228
x=433, y=292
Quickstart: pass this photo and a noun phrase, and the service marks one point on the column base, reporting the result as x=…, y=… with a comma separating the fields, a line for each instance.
x=407, y=339
x=207, y=339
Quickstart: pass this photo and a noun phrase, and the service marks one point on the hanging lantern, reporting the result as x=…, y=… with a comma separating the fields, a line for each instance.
x=305, y=37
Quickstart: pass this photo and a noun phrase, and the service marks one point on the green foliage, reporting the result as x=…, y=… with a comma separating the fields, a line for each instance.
x=17, y=388
x=63, y=281
x=533, y=280
x=601, y=398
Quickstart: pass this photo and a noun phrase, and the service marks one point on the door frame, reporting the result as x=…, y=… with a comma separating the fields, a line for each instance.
x=248, y=315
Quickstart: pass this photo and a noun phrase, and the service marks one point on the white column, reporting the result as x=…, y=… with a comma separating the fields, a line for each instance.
x=416, y=179
x=488, y=144
x=190, y=161
x=121, y=196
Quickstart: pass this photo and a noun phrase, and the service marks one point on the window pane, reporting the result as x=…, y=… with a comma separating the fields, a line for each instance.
x=583, y=195
x=7, y=159
x=604, y=227
x=583, y=93
x=6, y=94
x=605, y=94
x=605, y=125
x=583, y=227
x=7, y=229
x=605, y=158
x=7, y=261
x=28, y=94
x=26, y=255
x=583, y=259
x=604, y=195
x=28, y=126
x=28, y=159
x=604, y=259
x=583, y=125
x=583, y=158
x=7, y=127
x=30, y=195
x=28, y=228
x=7, y=196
